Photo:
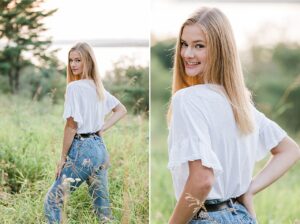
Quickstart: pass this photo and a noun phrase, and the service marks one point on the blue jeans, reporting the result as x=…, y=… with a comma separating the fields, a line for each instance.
x=87, y=161
x=236, y=214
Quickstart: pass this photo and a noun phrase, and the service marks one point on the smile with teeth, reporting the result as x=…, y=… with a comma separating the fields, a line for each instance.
x=192, y=63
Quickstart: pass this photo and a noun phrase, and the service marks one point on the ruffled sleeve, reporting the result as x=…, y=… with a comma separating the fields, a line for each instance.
x=270, y=135
x=189, y=137
x=110, y=102
x=72, y=105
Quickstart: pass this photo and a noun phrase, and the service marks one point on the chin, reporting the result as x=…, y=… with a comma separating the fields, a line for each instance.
x=193, y=74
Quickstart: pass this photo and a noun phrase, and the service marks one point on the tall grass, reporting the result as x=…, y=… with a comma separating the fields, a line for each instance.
x=30, y=145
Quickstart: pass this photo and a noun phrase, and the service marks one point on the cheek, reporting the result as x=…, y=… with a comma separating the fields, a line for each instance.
x=202, y=56
x=182, y=52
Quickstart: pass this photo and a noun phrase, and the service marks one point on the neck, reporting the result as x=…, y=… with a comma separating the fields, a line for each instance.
x=194, y=80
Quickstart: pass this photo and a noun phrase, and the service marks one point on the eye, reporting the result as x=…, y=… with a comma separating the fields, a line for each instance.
x=183, y=44
x=199, y=46
x=77, y=60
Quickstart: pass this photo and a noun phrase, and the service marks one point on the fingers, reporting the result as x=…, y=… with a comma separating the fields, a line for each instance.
x=250, y=208
x=252, y=212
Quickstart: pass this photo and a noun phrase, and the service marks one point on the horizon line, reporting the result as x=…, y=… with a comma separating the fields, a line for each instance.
x=107, y=42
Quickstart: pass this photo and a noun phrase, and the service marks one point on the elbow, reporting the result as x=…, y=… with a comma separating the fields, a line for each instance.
x=297, y=153
x=124, y=111
x=121, y=110
x=207, y=184
x=203, y=184
x=287, y=147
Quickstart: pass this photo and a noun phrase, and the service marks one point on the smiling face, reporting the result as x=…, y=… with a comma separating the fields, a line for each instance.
x=75, y=62
x=193, y=50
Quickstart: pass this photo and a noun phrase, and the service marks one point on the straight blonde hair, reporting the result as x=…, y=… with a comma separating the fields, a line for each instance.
x=90, y=68
x=223, y=65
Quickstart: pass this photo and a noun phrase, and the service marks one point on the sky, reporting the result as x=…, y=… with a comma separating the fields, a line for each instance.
x=94, y=19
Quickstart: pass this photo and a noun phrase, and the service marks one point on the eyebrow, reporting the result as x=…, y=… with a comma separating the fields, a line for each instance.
x=195, y=41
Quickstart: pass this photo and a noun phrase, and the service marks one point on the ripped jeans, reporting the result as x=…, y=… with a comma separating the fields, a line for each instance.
x=88, y=161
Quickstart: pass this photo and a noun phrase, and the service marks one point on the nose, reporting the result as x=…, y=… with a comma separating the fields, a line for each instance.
x=72, y=64
x=188, y=53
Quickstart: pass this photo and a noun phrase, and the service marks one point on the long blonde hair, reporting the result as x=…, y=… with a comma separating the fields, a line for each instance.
x=90, y=68
x=223, y=65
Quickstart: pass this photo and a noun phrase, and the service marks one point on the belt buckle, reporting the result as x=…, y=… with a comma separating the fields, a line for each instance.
x=79, y=137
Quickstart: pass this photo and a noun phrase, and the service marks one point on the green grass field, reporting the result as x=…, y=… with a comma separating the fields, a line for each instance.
x=278, y=204
x=30, y=144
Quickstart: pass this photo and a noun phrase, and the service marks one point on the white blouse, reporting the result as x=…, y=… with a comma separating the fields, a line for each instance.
x=203, y=128
x=82, y=103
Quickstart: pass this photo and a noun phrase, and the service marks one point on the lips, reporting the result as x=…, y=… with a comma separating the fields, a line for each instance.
x=192, y=63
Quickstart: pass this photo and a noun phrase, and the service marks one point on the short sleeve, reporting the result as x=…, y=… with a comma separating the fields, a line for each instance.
x=72, y=105
x=110, y=102
x=270, y=135
x=189, y=137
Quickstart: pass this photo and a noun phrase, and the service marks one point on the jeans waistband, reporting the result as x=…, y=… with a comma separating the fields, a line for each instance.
x=215, y=205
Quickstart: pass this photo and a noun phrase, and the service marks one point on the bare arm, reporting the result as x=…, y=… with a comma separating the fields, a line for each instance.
x=284, y=155
x=199, y=184
x=69, y=133
x=118, y=112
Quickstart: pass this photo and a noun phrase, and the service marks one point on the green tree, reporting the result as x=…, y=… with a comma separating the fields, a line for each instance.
x=21, y=29
x=131, y=85
x=164, y=50
x=274, y=76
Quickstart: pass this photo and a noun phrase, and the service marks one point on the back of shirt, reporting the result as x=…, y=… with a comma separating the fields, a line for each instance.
x=83, y=104
x=203, y=128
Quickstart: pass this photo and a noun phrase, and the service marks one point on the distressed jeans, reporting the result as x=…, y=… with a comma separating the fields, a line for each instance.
x=236, y=214
x=87, y=161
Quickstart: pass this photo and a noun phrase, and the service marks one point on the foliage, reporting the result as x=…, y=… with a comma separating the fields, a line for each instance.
x=164, y=50
x=131, y=85
x=273, y=75
x=47, y=81
x=21, y=29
